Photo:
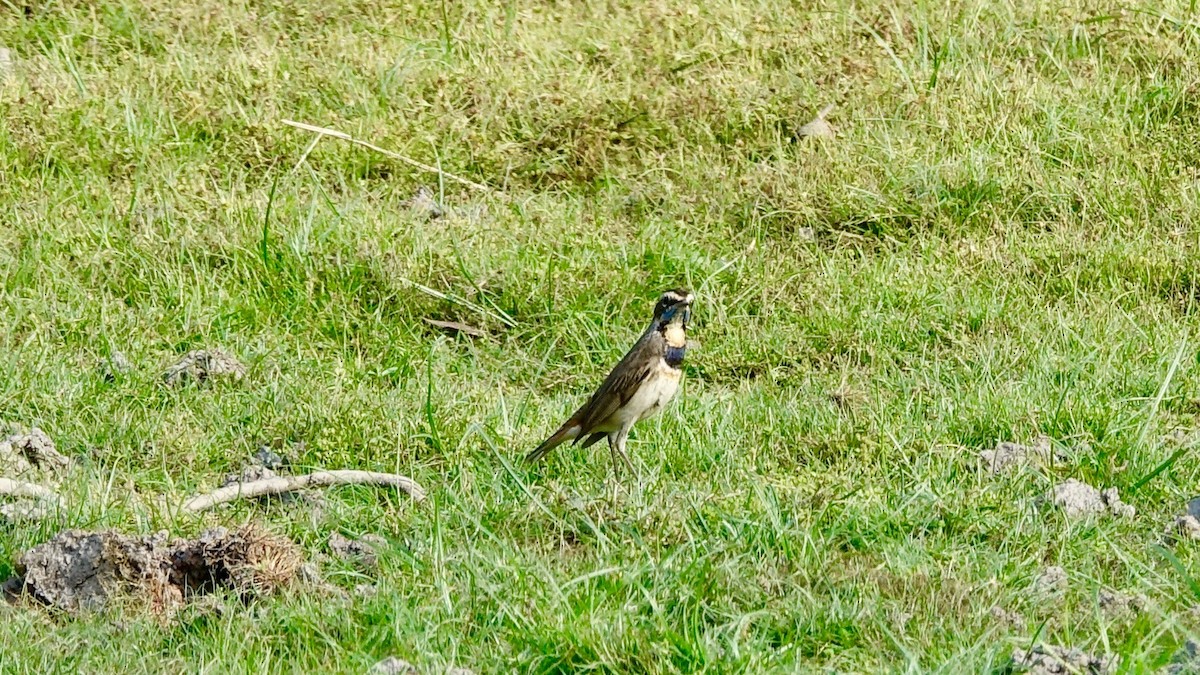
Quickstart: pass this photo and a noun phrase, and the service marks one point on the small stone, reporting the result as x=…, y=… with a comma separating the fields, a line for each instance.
x=1118, y=508
x=1051, y=581
x=1054, y=660
x=201, y=365
x=310, y=574
x=393, y=665
x=1193, y=507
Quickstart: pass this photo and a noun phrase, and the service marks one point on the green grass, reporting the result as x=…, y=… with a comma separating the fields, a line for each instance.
x=1002, y=242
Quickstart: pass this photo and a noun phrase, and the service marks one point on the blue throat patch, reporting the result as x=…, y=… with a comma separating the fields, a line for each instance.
x=674, y=356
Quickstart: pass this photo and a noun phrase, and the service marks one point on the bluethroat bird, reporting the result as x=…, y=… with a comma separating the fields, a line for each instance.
x=639, y=386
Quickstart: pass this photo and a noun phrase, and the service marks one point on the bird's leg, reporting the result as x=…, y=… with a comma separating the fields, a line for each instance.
x=612, y=450
x=619, y=445
x=616, y=468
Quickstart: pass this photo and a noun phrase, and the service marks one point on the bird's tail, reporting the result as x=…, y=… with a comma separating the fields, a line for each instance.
x=568, y=432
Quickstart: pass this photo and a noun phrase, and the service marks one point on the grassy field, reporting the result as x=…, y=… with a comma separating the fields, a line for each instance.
x=1001, y=242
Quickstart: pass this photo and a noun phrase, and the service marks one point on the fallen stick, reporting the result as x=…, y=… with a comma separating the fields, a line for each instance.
x=282, y=484
x=16, y=488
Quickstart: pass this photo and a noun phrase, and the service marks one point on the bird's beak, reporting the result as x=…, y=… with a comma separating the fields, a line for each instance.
x=686, y=305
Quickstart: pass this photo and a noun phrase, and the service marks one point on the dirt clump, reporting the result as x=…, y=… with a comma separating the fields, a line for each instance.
x=1007, y=617
x=116, y=365
x=363, y=552
x=1185, y=527
x=30, y=470
x=29, y=453
x=1116, y=604
x=1078, y=499
x=202, y=365
x=1052, y=581
x=1052, y=660
x=80, y=570
x=1007, y=456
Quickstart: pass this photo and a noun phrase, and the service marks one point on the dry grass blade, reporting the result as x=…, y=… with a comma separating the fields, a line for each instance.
x=324, y=131
x=498, y=315
x=455, y=326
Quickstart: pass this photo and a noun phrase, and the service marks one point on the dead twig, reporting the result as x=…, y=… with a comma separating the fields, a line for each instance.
x=282, y=484
x=16, y=488
x=325, y=131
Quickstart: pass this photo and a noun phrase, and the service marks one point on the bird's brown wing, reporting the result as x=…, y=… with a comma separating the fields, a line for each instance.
x=614, y=392
x=620, y=385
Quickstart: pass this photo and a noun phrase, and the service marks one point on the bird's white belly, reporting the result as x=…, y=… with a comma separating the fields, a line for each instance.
x=656, y=391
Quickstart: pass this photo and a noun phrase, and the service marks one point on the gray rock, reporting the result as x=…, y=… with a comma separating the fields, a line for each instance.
x=249, y=474
x=1184, y=528
x=424, y=205
x=116, y=364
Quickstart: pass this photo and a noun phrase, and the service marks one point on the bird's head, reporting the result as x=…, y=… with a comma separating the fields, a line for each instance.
x=674, y=308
